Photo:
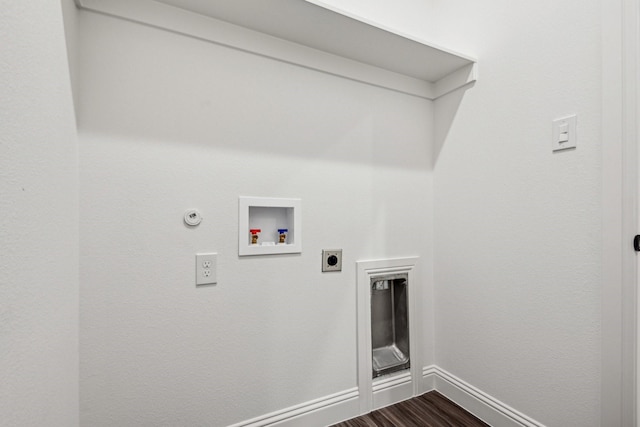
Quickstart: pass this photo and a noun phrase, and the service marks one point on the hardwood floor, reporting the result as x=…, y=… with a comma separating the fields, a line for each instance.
x=429, y=410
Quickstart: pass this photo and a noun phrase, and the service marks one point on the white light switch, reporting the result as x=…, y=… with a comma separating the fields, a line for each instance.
x=564, y=133
x=206, y=269
x=564, y=137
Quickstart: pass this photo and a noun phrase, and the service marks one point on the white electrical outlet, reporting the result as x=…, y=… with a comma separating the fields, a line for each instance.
x=206, y=269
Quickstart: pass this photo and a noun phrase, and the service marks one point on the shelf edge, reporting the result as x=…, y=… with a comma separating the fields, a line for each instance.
x=323, y=4
x=460, y=78
x=191, y=24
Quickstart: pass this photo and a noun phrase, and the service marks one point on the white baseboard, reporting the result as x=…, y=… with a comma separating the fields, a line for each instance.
x=319, y=412
x=428, y=382
x=392, y=389
x=487, y=408
x=346, y=404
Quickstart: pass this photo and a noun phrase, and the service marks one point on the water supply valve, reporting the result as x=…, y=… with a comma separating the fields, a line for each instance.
x=282, y=236
x=254, y=235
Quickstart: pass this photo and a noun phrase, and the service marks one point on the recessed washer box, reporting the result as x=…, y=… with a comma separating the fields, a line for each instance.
x=271, y=216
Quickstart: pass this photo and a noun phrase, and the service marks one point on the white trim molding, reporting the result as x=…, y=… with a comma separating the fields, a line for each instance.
x=482, y=405
x=345, y=405
x=369, y=63
x=620, y=34
x=373, y=394
x=323, y=411
x=392, y=389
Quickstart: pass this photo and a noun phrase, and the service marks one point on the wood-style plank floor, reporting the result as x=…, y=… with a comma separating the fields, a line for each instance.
x=429, y=410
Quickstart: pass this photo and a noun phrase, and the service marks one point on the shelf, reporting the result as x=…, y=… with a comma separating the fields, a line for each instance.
x=308, y=33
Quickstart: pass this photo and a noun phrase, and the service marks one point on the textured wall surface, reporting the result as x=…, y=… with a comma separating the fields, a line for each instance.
x=38, y=220
x=169, y=123
x=518, y=228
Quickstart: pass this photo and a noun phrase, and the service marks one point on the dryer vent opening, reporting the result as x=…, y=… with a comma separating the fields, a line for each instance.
x=389, y=324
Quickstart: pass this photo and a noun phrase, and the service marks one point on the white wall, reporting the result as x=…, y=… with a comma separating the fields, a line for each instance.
x=70, y=15
x=38, y=221
x=169, y=123
x=518, y=228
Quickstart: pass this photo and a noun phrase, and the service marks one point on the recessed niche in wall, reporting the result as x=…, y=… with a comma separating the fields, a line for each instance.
x=387, y=332
x=269, y=226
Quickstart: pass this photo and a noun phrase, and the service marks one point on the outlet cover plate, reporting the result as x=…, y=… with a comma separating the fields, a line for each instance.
x=332, y=260
x=206, y=269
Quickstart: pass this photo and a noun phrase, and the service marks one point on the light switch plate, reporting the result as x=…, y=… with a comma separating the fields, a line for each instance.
x=206, y=269
x=564, y=134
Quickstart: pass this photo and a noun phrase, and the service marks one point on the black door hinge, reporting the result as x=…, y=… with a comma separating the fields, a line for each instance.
x=636, y=243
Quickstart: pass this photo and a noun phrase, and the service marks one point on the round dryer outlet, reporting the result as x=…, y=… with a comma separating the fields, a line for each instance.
x=332, y=260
